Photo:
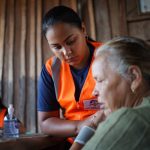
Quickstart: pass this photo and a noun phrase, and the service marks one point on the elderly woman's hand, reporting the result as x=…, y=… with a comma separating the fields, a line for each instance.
x=92, y=121
x=97, y=118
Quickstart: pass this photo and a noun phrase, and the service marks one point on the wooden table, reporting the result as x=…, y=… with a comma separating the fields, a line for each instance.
x=32, y=142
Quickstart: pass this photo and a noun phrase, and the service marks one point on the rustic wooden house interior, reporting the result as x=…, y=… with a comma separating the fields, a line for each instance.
x=23, y=48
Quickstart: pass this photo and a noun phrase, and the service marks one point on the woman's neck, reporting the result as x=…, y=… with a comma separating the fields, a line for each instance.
x=145, y=93
x=85, y=60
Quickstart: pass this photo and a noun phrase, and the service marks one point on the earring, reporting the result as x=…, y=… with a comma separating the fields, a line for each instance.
x=133, y=90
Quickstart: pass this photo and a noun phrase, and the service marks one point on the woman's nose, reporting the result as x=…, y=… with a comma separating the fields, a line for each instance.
x=66, y=51
x=95, y=93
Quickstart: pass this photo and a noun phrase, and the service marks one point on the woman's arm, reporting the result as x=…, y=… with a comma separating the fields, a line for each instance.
x=51, y=124
x=76, y=146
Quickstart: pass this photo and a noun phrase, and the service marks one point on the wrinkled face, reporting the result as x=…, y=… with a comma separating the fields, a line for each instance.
x=68, y=43
x=111, y=88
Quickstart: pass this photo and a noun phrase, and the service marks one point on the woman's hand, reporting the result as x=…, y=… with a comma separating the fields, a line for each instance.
x=92, y=121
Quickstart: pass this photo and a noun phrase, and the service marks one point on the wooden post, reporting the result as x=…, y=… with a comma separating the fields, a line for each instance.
x=22, y=69
x=31, y=94
x=10, y=52
x=91, y=18
x=2, y=37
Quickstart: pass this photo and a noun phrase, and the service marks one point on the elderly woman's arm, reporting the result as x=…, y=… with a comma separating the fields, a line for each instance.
x=76, y=146
x=125, y=128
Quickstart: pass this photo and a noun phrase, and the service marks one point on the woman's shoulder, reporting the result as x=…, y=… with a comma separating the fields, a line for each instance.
x=127, y=116
x=49, y=61
x=127, y=112
x=95, y=44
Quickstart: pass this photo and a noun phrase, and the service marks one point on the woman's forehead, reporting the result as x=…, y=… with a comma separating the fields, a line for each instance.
x=99, y=66
x=60, y=32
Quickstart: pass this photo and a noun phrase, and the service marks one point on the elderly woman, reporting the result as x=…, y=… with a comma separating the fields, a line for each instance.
x=122, y=73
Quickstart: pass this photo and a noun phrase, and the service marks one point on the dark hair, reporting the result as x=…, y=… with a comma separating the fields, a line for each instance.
x=61, y=14
x=125, y=51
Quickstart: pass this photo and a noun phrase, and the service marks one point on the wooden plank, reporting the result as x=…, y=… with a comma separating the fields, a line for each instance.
x=47, y=5
x=70, y=3
x=74, y=5
x=91, y=19
x=103, y=21
x=38, y=37
x=131, y=8
x=84, y=14
x=22, y=69
x=133, y=11
x=140, y=29
x=118, y=17
x=16, y=56
x=114, y=15
x=123, y=18
x=8, y=48
x=31, y=95
x=2, y=34
x=38, y=45
x=10, y=58
x=5, y=58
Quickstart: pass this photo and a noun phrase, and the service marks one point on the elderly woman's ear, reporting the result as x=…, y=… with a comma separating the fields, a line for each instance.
x=135, y=77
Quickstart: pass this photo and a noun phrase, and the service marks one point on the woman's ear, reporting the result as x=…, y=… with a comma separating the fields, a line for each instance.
x=84, y=29
x=136, y=77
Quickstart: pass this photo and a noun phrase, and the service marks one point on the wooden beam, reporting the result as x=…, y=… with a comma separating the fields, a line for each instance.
x=39, y=37
x=118, y=17
x=10, y=51
x=91, y=19
x=2, y=37
x=70, y=3
x=22, y=73
x=38, y=46
x=103, y=20
x=31, y=89
x=114, y=16
x=74, y=5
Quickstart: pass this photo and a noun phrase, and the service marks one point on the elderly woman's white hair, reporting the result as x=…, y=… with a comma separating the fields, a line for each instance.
x=126, y=51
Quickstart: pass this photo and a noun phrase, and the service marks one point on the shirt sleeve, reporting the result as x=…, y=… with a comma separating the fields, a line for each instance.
x=46, y=93
x=124, y=129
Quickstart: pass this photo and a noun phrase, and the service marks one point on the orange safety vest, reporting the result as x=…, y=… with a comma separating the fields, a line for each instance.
x=2, y=115
x=65, y=88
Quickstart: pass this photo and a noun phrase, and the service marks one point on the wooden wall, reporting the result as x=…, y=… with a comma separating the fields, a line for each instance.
x=23, y=48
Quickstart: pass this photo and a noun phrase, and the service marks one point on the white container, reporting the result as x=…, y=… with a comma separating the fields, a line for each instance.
x=11, y=124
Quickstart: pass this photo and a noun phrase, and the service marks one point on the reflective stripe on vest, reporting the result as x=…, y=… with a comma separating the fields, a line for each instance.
x=56, y=73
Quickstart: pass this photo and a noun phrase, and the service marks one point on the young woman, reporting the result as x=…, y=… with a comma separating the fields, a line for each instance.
x=66, y=81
